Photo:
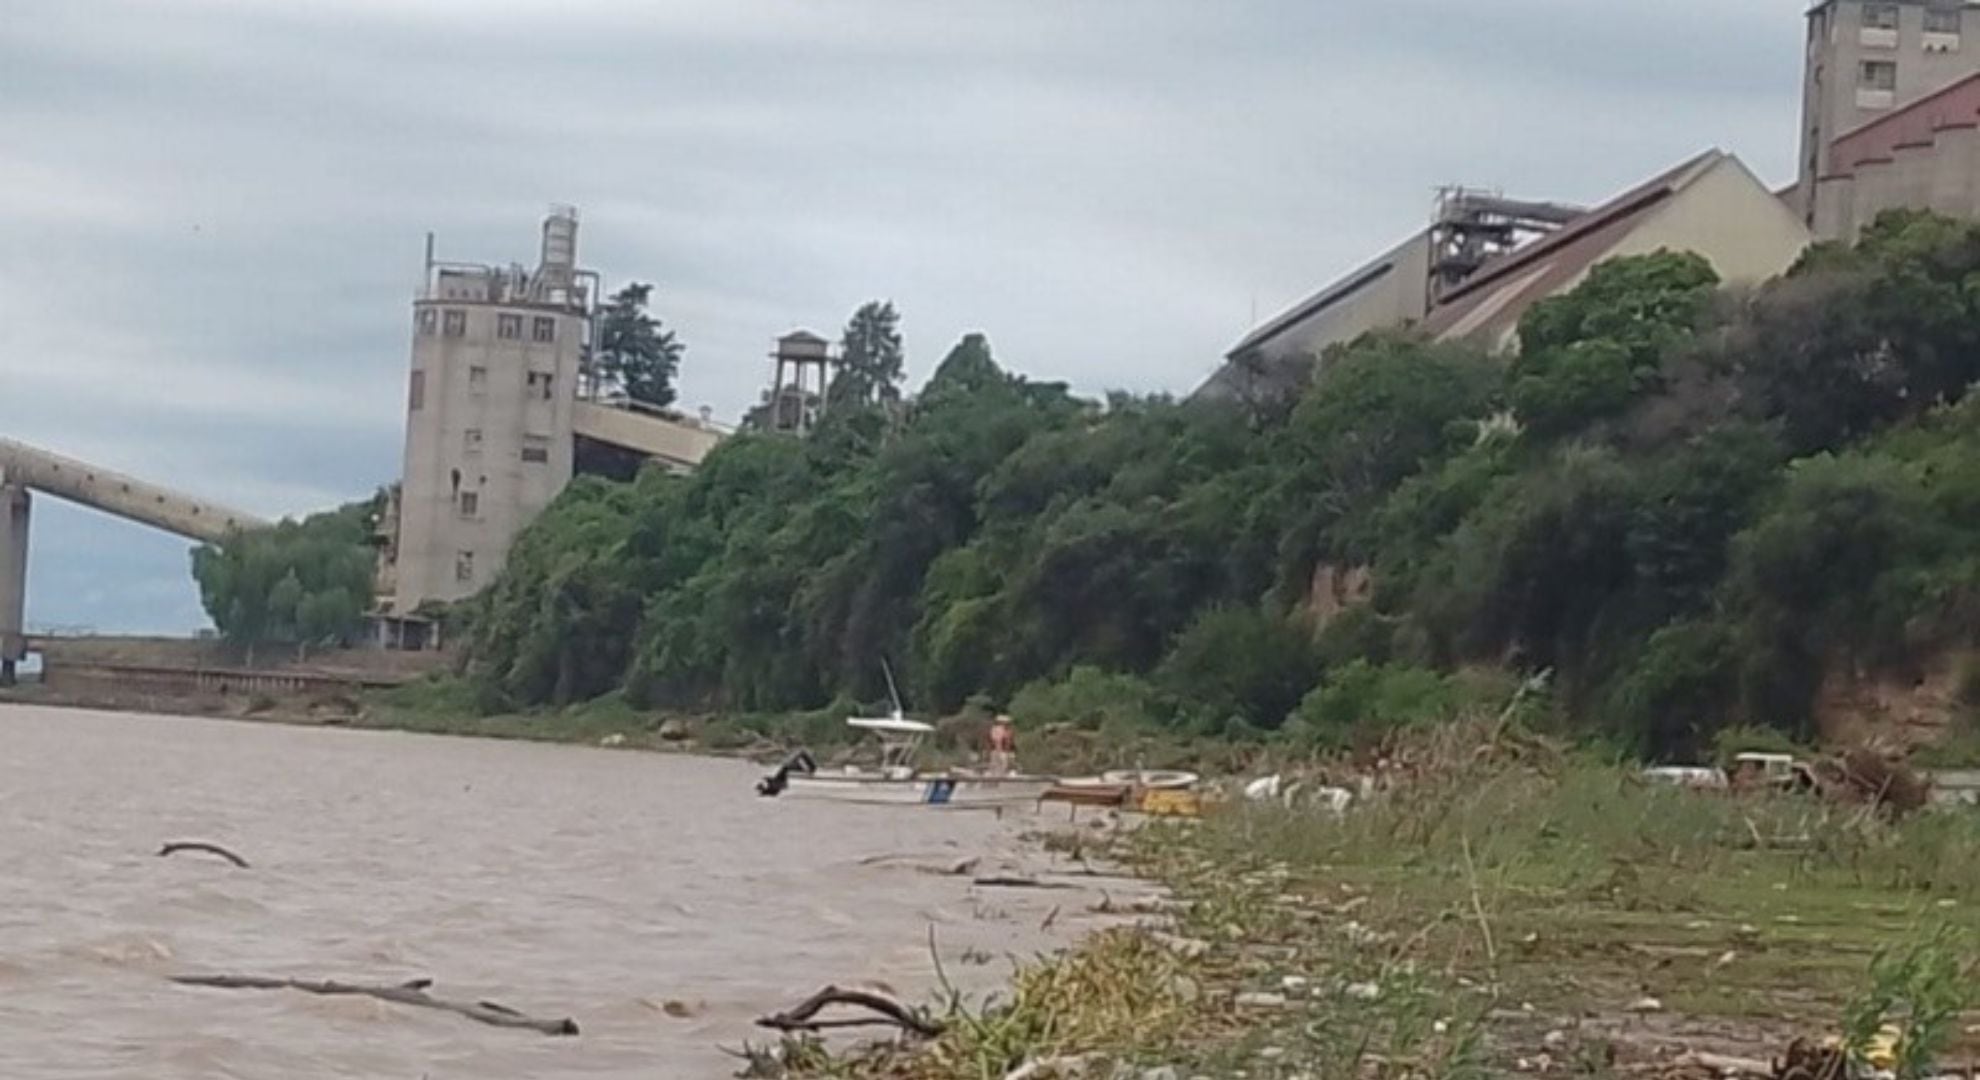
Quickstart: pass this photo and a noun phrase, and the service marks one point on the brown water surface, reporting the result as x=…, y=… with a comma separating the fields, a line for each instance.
x=559, y=880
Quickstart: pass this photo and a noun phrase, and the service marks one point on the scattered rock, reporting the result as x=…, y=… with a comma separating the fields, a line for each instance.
x=1187, y=948
x=1555, y=1039
x=1363, y=991
x=1272, y=1053
x=1259, y=999
x=1645, y=1005
x=1057, y=1068
x=1161, y=1072
x=681, y=1010
x=614, y=739
x=674, y=730
x=1293, y=984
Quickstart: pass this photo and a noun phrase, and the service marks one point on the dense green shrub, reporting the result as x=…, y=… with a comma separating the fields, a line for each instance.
x=1090, y=699
x=1688, y=505
x=296, y=583
x=1362, y=702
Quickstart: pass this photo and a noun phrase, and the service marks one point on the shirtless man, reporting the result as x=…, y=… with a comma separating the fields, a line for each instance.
x=1003, y=746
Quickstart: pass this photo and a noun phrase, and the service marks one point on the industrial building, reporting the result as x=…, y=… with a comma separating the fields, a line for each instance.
x=1890, y=120
x=1484, y=260
x=1399, y=288
x=1874, y=101
x=1711, y=205
x=497, y=398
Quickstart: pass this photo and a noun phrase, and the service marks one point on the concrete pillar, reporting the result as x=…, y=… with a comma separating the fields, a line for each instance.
x=14, y=504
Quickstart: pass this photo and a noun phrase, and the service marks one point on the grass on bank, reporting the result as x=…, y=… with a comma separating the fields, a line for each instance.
x=1503, y=906
x=451, y=706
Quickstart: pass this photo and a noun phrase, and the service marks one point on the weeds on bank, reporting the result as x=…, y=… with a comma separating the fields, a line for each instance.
x=1500, y=901
x=1916, y=990
x=1120, y=994
x=1567, y=885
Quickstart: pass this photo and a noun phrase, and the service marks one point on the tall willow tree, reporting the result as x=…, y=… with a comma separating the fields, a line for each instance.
x=298, y=583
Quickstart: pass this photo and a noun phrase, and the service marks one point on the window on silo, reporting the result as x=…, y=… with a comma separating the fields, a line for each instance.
x=508, y=327
x=536, y=449
x=543, y=329
x=416, y=393
x=477, y=379
x=429, y=321
x=542, y=384
x=471, y=440
x=456, y=325
x=470, y=504
x=464, y=566
x=1880, y=16
x=1879, y=75
x=1942, y=20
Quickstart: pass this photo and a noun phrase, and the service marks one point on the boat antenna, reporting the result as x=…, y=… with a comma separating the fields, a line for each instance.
x=892, y=691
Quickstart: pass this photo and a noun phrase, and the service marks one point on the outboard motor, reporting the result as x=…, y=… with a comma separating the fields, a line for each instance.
x=773, y=785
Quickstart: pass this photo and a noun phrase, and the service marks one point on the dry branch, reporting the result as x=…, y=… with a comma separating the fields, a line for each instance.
x=201, y=845
x=1020, y=883
x=408, y=993
x=804, y=1016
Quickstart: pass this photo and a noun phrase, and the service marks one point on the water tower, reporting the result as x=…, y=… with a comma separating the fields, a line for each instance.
x=797, y=391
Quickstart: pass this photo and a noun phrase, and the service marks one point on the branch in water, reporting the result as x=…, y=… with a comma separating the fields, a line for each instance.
x=1019, y=883
x=409, y=993
x=804, y=1016
x=201, y=845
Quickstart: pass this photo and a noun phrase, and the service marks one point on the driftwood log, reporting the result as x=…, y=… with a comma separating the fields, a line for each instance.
x=804, y=1016
x=177, y=846
x=1005, y=882
x=408, y=993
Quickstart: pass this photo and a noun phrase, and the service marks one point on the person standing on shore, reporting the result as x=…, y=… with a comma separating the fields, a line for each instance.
x=1003, y=746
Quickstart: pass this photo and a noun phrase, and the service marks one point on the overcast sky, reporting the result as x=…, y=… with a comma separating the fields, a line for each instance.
x=212, y=213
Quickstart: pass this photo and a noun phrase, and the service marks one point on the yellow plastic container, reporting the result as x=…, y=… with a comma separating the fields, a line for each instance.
x=1160, y=803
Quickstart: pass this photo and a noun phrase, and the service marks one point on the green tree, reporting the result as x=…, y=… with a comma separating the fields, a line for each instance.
x=1243, y=663
x=635, y=353
x=870, y=357
x=1587, y=354
x=297, y=583
x=1719, y=500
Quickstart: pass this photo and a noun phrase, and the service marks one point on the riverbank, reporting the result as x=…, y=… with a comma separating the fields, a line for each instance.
x=1506, y=908
x=448, y=707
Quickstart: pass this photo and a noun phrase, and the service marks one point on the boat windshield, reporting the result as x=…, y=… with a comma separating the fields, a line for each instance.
x=900, y=738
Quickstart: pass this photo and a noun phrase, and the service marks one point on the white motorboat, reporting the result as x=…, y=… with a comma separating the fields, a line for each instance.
x=897, y=782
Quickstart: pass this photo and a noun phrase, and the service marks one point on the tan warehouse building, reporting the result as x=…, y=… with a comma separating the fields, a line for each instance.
x=1711, y=204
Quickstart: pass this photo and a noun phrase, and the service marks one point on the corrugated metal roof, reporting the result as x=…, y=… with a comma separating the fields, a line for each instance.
x=1328, y=297
x=1541, y=268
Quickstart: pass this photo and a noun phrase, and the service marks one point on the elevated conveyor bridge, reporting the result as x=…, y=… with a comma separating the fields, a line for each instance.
x=26, y=469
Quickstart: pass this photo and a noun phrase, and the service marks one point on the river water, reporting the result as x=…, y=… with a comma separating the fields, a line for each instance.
x=558, y=880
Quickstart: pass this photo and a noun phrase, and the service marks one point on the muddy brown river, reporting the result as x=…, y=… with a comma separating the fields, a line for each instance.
x=558, y=880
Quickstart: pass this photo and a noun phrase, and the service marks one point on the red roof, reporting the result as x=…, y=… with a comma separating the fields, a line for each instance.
x=1954, y=105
